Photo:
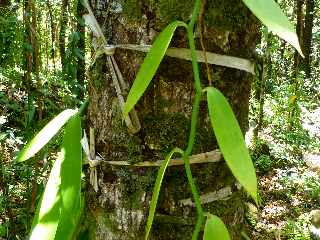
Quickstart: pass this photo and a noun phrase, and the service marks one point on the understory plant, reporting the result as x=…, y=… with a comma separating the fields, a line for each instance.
x=60, y=206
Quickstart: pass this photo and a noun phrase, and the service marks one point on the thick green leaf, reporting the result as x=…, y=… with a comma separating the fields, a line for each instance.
x=47, y=216
x=156, y=189
x=230, y=140
x=70, y=179
x=271, y=15
x=45, y=135
x=150, y=65
x=215, y=229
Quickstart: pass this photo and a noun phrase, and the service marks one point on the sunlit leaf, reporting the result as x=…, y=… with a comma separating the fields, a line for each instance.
x=156, y=189
x=47, y=215
x=70, y=178
x=215, y=229
x=58, y=212
x=45, y=135
x=150, y=65
x=231, y=141
x=271, y=15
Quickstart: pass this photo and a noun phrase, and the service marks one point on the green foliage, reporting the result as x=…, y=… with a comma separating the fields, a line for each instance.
x=264, y=163
x=11, y=35
x=313, y=187
x=215, y=229
x=230, y=141
x=150, y=65
x=297, y=230
x=73, y=53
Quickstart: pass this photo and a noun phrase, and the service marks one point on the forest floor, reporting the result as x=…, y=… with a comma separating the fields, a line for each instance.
x=289, y=182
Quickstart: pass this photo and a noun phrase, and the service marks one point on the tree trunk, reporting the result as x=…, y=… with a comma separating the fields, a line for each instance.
x=299, y=31
x=4, y=3
x=81, y=67
x=53, y=39
x=119, y=209
x=62, y=34
x=265, y=74
x=307, y=37
x=28, y=48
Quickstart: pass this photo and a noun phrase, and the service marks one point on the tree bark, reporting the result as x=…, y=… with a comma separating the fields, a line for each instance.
x=81, y=67
x=307, y=37
x=53, y=39
x=299, y=31
x=119, y=209
x=62, y=34
x=28, y=48
x=4, y=3
x=265, y=74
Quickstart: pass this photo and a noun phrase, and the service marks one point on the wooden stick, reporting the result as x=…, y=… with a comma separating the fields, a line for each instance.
x=221, y=194
x=208, y=157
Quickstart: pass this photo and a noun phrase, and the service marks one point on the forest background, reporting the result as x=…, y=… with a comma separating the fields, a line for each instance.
x=45, y=55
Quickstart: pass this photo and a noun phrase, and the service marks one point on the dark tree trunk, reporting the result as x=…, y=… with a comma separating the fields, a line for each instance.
x=28, y=48
x=119, y=209
x=265, y=74
x=52, y=28
x=307, y=37
x=4, y=3
x=81, y=67
x=36, y=57
x=62, y=34
x=299, y=31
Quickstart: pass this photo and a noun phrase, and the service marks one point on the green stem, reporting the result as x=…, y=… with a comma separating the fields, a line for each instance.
x=194, y=120
x=196, y=198
x=195, y=13
x=195, y=65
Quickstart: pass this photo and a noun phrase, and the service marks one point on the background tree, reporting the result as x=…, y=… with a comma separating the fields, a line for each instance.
x=62, y=33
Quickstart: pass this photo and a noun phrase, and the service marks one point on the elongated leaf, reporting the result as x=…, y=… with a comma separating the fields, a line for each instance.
x=156, y=189
x=47, y=216
x=230, y=141
x=271, y=15
x=150, y=65
x=215, y=229
x=45, y=135
x=70, y=179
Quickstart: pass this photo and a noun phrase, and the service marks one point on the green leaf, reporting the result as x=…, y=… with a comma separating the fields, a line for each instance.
x=45, y=135
x=59, y=209
x=70, y=179
x=271, y=15
x=156, y=189
x=150, y=65
x=47, y=215
x=215, y=229
x=231, y=141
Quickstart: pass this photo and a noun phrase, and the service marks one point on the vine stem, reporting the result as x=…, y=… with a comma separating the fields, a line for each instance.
x=194, y=119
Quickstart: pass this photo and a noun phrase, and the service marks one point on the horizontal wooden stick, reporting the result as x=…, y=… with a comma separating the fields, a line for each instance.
x=221, y=194
x=184, y=53
x=208, y=157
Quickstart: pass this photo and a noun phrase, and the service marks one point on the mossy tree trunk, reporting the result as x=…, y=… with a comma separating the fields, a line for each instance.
x=119, y=209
